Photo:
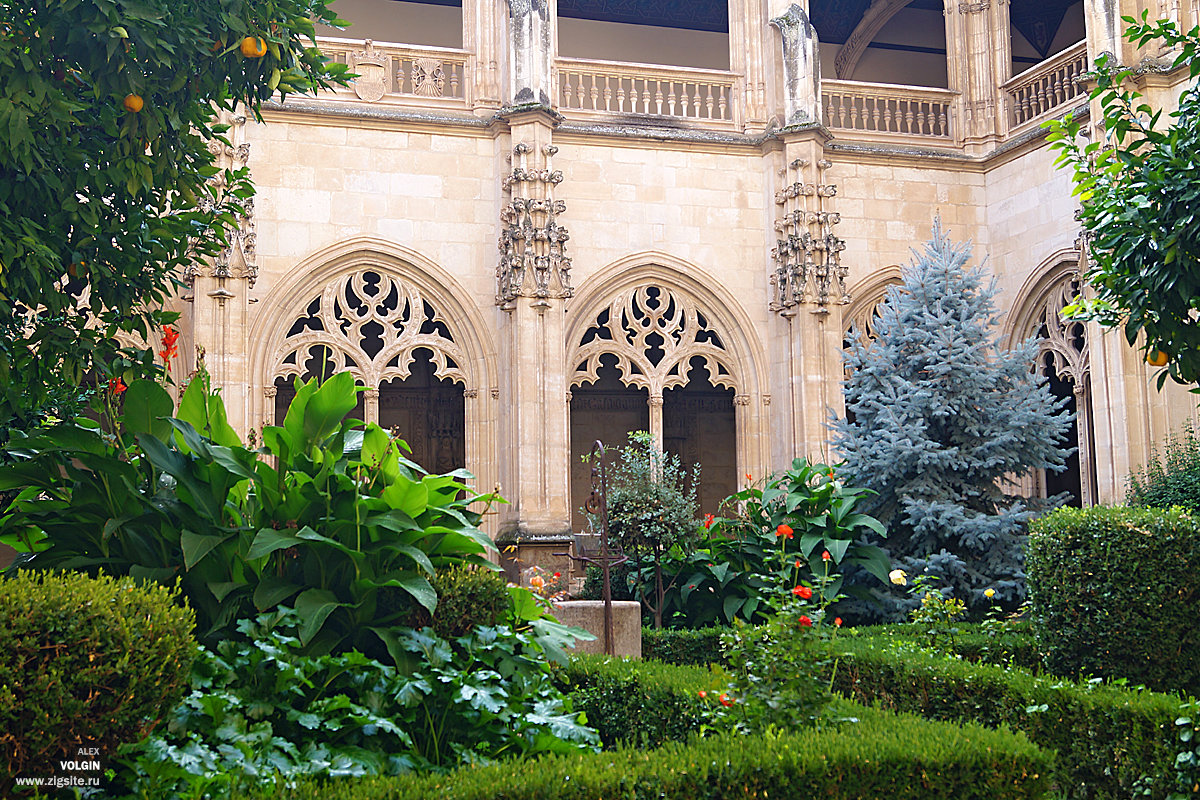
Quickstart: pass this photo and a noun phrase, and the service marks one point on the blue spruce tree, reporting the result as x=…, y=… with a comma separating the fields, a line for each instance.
x=940, y=418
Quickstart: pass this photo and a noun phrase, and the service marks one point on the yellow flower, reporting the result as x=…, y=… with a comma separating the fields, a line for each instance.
x=898, y=577
x=989, y=593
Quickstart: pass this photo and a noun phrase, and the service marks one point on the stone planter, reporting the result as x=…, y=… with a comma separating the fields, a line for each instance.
x=589, y=615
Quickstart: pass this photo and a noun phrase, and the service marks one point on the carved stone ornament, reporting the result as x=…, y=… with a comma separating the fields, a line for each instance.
x=240, y=258
x=374, y=71
x=533, y=245
x=369, y=322
x=428, y=77
x=655, y=334
x=1063, y=342
x=807, y=253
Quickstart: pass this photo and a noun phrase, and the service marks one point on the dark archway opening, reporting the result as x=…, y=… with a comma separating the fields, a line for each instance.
x=427, y=412
x=700, y=427
x=1071, y=479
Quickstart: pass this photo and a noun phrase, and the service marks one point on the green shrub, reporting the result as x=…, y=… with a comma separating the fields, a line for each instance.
x=869, y=753
x=1171, y=479
x=1116, y=593
x=85, y=661
x=681, y=646
x=467, y=598
x=638, y=703
x=1106, y=737
x=1008, y=643
x=618, y=579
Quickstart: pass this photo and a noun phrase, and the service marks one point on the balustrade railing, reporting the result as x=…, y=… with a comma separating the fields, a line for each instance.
x=401, y=74
x=1046, y=87
x=606, y=88
x=884, y=110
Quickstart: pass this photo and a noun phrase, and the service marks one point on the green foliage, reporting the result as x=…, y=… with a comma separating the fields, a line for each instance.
x=346, y=541
x=682, y=646
x=467, y=597
x=618, y=581
x=1108, y=739
x=936, y=614
x=868, y=754
x=84, y=662
x=1187, y=761
x=1138, y=190
x=638, y=703
x=1172, y=479
x=1003, y=642
x=1116, y=593
x=262, y=712
x=101, y=208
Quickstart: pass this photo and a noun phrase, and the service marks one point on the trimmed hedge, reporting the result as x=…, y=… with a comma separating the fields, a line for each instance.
x=85, y=662
x=637, y=703
x=683, y=647
x=1116, y=594
x=1106, y=737
x=876, y=755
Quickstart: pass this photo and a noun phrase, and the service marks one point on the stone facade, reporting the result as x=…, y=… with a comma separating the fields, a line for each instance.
x=518, y=252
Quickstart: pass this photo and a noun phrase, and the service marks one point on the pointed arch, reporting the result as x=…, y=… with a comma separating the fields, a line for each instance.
x=866, y=296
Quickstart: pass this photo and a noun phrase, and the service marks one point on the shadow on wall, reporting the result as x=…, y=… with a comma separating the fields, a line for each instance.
x=7, y=554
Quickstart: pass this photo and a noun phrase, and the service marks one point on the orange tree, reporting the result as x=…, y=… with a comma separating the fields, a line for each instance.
x=1139, y=194
x=107, y=108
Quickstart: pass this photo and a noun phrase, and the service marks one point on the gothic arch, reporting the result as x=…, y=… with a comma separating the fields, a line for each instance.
x=659, y=317
x=370, y=306
x=866, y=297
x=1064, y=352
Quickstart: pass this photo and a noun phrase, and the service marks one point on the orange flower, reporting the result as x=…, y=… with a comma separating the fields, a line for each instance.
x=170, y=347
x=803, y=592
x=703, y=694
x=837, y=622
x=784, y=530
x=709, y=519
x=116, y=386
x=825, y=556
x=797, y=563
x=725, y=701
x=558, y=574
x=805, y=621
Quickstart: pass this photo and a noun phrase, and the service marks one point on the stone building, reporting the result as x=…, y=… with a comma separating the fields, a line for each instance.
x=531, y=224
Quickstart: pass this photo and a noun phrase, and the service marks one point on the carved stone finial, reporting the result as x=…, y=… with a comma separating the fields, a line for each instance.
x=801, y=67
x=530, y=51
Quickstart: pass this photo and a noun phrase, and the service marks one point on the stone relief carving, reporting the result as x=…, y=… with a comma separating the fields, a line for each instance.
x=370, y=323
x=428, y=77
x=374, y=72
x=654, y=334
x=1063, y=342
x=807, y=254
x=533, y=244
x=240, y=258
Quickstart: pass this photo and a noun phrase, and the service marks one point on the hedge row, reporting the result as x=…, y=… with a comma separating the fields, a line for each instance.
x=868, y=753
x=683, y=647
x=638, y=703
x=1106, y=737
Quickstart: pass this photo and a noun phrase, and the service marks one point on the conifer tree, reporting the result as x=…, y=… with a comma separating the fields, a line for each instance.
x=940, y=419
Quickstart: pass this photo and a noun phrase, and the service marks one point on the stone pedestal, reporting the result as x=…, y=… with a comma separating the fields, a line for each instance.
x=589, y=615
x=520, y=551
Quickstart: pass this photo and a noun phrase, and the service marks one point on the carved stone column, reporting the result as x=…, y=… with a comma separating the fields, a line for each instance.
x=748, y=48
x=219, y=291
x=801, y=67
x=978, y=60
x=533, y=282
x=483, y=35
x=808, y=292
x=530, y=52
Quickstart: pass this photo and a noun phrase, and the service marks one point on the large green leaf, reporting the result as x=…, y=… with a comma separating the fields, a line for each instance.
x=196, y=546
x=273, y=590
x=204, y=410
x=333, y=400
x=411, y=497
x=314, y=606
x=268, y=540
x=146, y=408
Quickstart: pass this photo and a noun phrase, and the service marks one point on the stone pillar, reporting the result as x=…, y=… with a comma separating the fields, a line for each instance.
x=801, y=67
x=533, y=283
x=483, y=35
x=219, y=293
x=530, y=52
x=748, y=45
x=808, y=292
x=978, y=60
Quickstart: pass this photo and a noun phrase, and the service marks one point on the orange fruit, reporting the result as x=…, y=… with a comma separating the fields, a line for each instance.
x=253, y=47
x=133, y=103
x=1157, y=359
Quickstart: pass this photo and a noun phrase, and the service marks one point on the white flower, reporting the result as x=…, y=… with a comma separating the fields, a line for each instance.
x=898, y=577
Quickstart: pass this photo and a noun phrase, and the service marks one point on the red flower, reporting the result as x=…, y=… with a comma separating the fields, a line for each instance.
x=709, y=519
x=725, y=701
x=115, y=386
x=797, y=563
x=703, y=694
x=558, y=574
x=170, y=348
x=784, y=530
x=825, y=556
x=804, y=621
x=837, y=622
x=803, y=592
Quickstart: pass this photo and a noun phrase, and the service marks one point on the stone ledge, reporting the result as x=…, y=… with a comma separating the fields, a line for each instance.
x=589, y=615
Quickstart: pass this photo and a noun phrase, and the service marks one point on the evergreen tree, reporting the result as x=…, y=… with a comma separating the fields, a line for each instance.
x=940, y=418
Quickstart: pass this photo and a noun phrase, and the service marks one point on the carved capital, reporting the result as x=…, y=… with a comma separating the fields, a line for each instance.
x=741, y=399
x=470, y=394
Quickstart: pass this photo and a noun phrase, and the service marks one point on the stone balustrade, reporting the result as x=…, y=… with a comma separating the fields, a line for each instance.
x=1046, y=88
x=610, y=88
x=888, y=111
x=399, y=74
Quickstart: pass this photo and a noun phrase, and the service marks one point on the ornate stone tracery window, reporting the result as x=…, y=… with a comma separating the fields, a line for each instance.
x=396, y=343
